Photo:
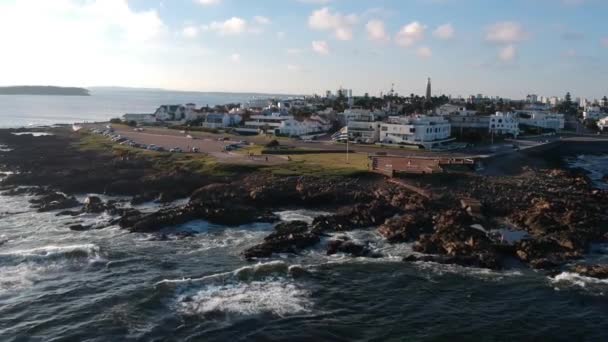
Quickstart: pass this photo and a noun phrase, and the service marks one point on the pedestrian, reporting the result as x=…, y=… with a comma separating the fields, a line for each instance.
x=267, y=159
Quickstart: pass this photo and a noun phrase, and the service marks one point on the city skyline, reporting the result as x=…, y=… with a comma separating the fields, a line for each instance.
x=307, y=46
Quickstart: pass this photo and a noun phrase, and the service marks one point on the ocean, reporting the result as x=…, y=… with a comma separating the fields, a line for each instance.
x=102, y=105
x=111, y=285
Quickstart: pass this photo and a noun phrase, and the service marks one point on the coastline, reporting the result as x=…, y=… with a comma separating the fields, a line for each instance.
x=559, y=210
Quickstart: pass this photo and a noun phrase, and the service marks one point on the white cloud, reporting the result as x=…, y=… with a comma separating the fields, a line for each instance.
x=208, y=2
x=232, y=26
x=261, y=20
x=424, y=52
x=341, y=25
x=444, y=32
x=508, y=53
x=506, y=32
x=93, y=41
x=321, y=47
x=376, y=31
x=190, y=31
x=410, y=34
x=235, y=58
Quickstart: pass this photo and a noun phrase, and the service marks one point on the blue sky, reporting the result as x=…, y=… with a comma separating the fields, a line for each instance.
x=495, y=47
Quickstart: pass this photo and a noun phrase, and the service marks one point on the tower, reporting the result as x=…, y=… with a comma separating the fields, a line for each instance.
x=428, y=90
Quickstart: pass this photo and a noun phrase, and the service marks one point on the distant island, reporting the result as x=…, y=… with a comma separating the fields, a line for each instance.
x=44, y=90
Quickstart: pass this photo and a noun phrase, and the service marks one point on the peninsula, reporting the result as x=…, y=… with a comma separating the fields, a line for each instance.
x=44, y=90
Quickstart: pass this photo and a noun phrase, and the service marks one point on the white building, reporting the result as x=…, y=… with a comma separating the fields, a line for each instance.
x=279, y=124
x=504, y=124
x=174, y=112
x=140, y=118
x=422, y=130
x=220, y=120
x=603, y=124
x=593, y=113
x=450, y=109
x=545, y=120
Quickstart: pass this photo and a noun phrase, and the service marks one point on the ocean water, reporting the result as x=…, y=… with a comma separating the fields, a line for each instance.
x=102, y=105
x=110, y=285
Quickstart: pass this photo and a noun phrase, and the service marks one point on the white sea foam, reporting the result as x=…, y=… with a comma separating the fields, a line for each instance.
x=279, y=297
x=576, y=279
x=481, y=273
x=89, y=251
x=300, y=215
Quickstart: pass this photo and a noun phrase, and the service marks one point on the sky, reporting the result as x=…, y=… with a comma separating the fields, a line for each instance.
x=506, y=48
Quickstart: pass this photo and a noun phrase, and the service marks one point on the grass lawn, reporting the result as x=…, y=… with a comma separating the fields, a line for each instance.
x=322, y=164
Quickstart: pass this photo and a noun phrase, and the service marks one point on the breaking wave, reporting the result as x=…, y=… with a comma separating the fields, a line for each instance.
x=85, y=251
x=571, y=279
x=265, y=288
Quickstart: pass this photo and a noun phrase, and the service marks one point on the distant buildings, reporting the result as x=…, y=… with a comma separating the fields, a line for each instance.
x=593, y=113
x=280, y=124
x=421, y=130
x=504, y=124
x=602, y=124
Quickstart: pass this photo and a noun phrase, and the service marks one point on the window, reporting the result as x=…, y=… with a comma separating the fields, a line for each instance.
x=384, y=128
x=412, y=129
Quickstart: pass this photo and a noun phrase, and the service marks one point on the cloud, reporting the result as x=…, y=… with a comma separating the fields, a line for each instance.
x=208, y=2
x=376, y=31
x=424, y=52
x=190, y=31
x=321, y=47
x=508, y=53
x=232, y=26
x=444, y=32
x=341, y=25
x=235, y=58
x=604, y=42
x=261, y=20
x=410, y=34
x=506, y=32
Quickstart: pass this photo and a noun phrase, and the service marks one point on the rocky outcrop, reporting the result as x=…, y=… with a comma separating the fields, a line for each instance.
x=52, y=201
x=347, y=246
x=354, y=217
x=288, y=237
x=406, y=228
x=593, y=271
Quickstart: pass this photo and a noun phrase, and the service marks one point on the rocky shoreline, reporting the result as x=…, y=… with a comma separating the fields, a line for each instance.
x=559, y=211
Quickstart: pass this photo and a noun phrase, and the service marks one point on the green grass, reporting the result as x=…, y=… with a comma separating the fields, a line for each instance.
x=322, y=164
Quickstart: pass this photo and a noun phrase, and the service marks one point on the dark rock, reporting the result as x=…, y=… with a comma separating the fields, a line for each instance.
x=80, y=228
x=481, y=260
x=347, y=246
x=93, y=205
x=54, y=201
x=406, y=228
x=144, y=198
x=593, y=271
x=68, y=213
x=289, y=237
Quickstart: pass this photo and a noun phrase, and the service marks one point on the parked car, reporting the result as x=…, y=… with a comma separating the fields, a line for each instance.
x=175, y=150
x=195, y=150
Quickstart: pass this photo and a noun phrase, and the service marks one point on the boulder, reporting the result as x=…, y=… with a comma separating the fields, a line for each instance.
x=593, y=271
x=347, y=246
x=406, y=228
x=93, y=205
x=288, y=237
x=54, y=201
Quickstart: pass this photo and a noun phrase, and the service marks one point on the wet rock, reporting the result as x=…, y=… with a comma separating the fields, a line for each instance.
x=68, y=213
x=544, y=264
x=54, y=201
x=354, y=217
x=80, y=228
x=144, y=198
x=288, y=237
x=347, y=246
x=406, y=228
x=93, y=205
x=593, y=271
x=544, y=251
